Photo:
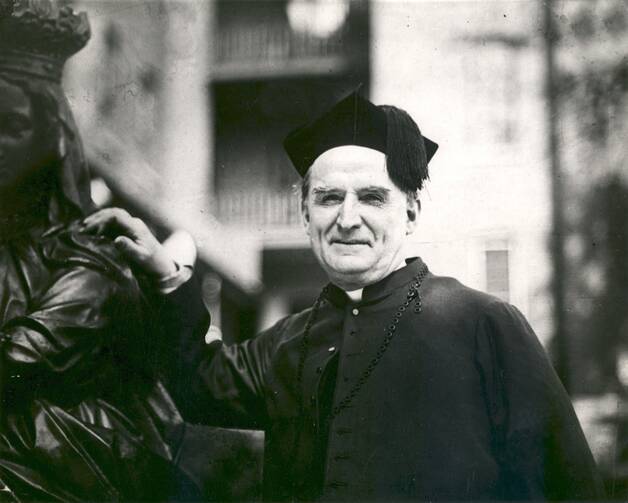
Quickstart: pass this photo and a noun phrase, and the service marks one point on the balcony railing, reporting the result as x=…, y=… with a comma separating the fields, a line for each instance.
x=259, y=208
x=276, y=42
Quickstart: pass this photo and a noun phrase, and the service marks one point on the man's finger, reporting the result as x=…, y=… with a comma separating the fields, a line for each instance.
x=112, y=220
x=103, y=215
x=91, y=228
x=130, y=249
x=99, y=220
x=134, y=240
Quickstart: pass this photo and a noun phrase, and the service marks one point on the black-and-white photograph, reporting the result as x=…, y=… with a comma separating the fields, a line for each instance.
x=303, y=250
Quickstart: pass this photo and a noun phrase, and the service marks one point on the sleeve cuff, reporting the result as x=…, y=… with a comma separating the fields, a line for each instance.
x=213, y=334
x=172, y=282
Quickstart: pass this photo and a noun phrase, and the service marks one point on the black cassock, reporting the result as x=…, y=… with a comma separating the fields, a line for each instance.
x=462, y=404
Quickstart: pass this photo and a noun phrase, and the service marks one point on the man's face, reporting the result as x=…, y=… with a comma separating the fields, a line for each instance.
x=355, y=216
x=17, y=134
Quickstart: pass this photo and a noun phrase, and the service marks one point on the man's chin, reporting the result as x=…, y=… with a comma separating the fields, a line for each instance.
x=349, y=265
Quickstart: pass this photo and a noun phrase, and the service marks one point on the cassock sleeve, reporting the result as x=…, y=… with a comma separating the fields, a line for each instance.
x=214, y=384
x=230, y=381
x=180, y=322
x=538, y=441
x=210, y=391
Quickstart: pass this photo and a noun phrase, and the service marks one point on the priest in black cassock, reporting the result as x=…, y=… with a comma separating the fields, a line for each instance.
x=397, y=383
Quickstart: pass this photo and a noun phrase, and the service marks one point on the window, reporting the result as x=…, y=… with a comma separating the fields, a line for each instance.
x=497, y=281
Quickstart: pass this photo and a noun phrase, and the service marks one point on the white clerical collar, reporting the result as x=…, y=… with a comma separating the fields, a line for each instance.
x=355, y=295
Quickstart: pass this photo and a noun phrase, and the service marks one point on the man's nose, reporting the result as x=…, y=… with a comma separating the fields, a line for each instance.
x=349, y=215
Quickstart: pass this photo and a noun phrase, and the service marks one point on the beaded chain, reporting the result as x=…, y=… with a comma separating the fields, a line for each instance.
x=303, y=348
x=413, y=293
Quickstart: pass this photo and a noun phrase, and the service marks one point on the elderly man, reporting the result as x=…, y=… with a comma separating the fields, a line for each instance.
x=396, y=384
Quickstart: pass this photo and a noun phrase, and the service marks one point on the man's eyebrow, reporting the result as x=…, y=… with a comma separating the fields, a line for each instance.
x=324, y=190
x=375, y=188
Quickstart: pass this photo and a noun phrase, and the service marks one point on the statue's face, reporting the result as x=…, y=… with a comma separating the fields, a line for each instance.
x=17, y=135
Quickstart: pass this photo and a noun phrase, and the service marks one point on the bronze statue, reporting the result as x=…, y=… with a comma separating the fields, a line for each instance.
x=82, y=415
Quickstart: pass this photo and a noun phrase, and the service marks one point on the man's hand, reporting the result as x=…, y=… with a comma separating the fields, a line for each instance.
x=133, y=239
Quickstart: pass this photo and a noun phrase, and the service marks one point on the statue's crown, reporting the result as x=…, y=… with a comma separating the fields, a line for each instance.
x=38, y=36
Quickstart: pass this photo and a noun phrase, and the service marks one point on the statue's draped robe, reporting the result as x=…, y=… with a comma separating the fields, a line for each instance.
x=81, y=416
x=463, y=404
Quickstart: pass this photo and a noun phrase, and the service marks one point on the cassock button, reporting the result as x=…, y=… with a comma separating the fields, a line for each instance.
x=355, y=311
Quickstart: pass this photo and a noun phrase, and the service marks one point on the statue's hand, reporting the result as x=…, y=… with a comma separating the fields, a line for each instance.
x=134, y=240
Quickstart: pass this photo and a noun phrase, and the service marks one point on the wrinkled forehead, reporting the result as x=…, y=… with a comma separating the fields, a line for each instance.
x=349, y=162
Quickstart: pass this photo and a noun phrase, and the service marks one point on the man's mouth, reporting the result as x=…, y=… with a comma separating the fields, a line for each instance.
x=350, y=242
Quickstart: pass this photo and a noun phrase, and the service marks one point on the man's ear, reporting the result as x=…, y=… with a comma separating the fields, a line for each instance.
x=305, y=217
x=412, y=214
